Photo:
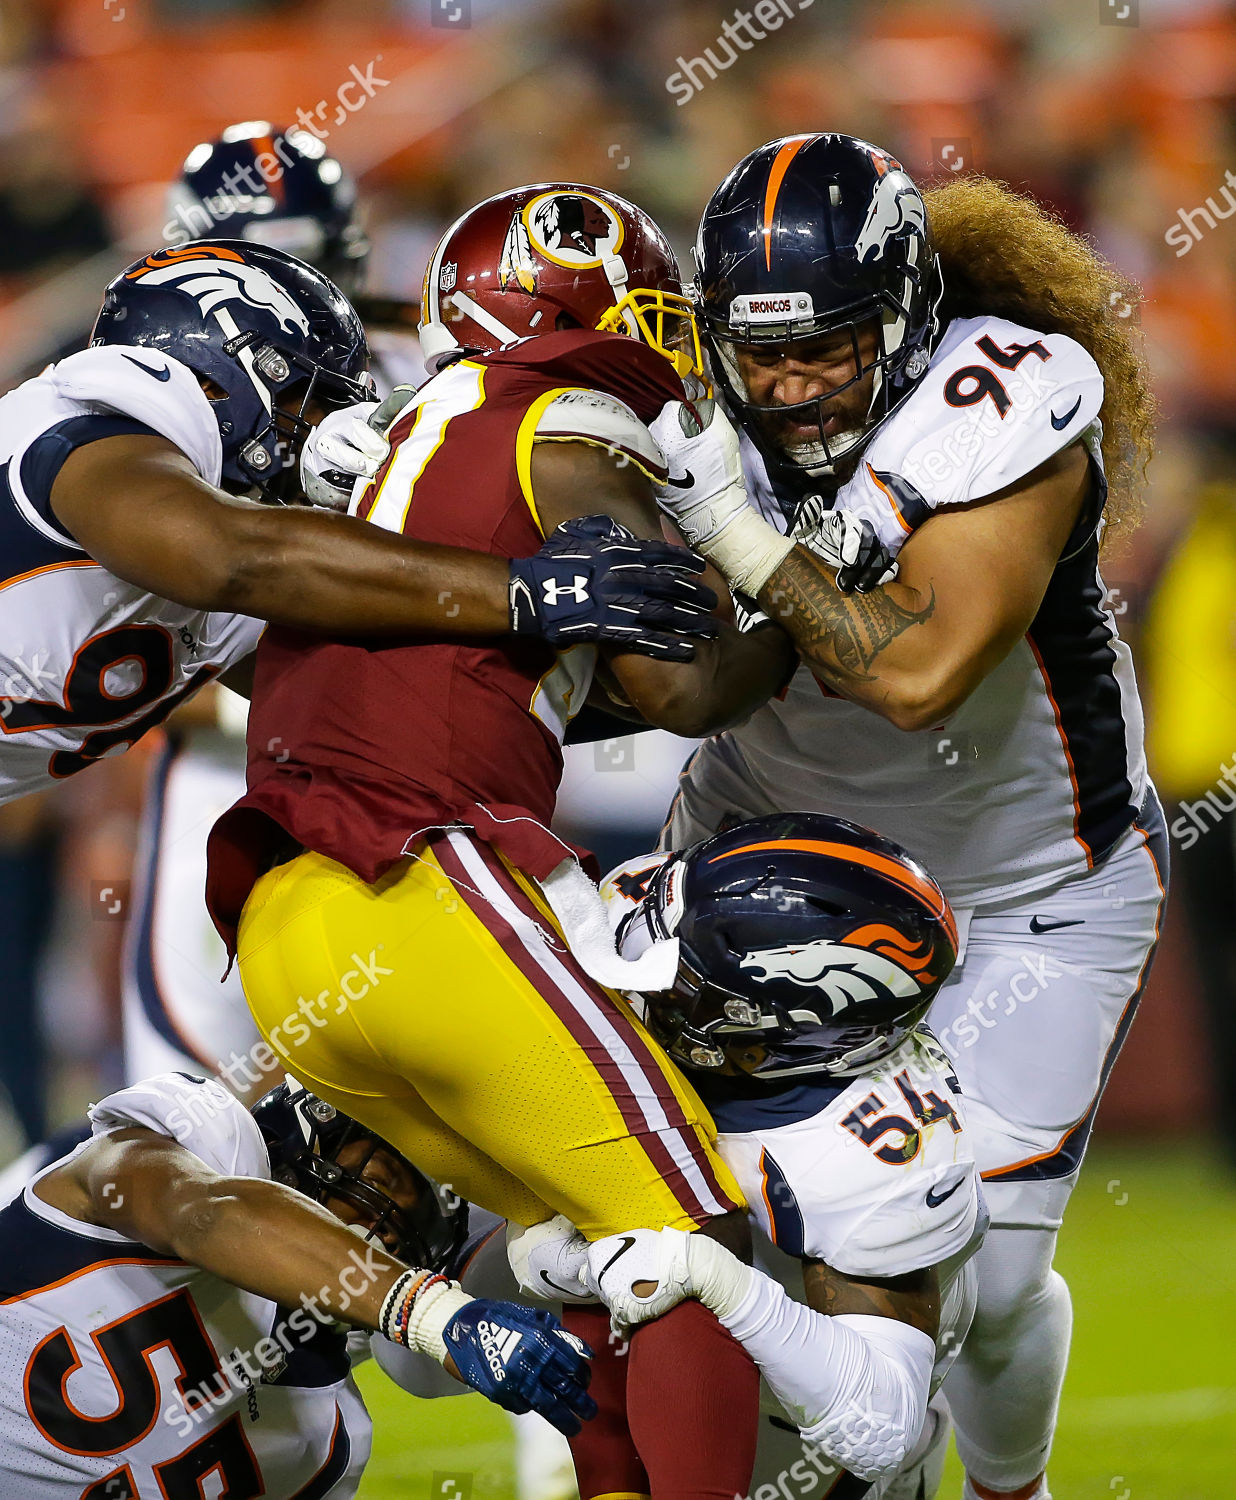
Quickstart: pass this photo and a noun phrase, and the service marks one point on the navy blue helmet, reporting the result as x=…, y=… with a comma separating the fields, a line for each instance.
x=271, y=335
x=806, y=944
x=809, y=236
x=272, y=187
x=305, y=1137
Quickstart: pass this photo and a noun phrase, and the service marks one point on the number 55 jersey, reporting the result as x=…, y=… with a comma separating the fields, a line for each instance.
x=130, y=1375
x=88, y=662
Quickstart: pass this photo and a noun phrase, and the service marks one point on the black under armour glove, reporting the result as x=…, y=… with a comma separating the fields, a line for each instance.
x=594, y=580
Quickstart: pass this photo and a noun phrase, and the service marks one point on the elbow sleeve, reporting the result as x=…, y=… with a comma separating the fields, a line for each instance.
x=857, y=1386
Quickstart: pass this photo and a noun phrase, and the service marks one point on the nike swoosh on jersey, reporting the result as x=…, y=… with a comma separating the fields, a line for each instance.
x=1060, y=423
x=934, y=1201
x=163, y=374
x=1038, y=924
x=627, y=1241
x=688, y=479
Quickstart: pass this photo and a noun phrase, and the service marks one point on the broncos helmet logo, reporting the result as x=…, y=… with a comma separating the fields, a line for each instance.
x=895, y=206
x=216, y=277
x=844, y=975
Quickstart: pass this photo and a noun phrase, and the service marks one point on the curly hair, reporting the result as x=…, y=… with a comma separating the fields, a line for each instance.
x=1002, y=255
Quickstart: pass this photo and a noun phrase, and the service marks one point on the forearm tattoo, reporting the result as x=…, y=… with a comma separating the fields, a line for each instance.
x=840, y=635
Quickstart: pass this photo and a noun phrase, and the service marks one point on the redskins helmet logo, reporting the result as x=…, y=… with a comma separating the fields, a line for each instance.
x=572, y=228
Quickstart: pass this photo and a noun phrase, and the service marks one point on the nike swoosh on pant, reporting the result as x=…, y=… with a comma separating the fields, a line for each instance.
x=1037, y=924
x=688, y=479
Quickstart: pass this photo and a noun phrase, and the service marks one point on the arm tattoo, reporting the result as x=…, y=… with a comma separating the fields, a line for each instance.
x=912, y=1299
x=841, y=634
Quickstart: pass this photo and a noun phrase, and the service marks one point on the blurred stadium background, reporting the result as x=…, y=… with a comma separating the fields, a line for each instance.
x=1119, y=114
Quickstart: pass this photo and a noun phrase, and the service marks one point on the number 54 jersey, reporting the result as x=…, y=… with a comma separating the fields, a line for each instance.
x=88, y=662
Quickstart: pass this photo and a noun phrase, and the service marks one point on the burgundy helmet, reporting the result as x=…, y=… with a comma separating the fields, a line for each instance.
x=552, y=256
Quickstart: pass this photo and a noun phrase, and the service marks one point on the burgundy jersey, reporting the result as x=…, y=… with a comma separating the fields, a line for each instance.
x=358, y=746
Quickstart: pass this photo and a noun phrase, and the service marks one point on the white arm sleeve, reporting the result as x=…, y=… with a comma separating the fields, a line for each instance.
x=857, y=1386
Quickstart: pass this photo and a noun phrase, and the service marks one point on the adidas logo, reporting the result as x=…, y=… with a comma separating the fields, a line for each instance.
x=497, y=1345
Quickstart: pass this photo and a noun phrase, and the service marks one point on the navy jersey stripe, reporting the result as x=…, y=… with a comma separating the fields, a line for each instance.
x=335, y=1467
x=24, y=547
x=789, y=1233
x=1071, y=639
x=141, y=955
x=1067, y=1157
x=46, y=455
x=737, y=1104
x=35, y=1253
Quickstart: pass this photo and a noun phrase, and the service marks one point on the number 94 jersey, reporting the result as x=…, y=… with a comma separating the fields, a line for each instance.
x=88, y=662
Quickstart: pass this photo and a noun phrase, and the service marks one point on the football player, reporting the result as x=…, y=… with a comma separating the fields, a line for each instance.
x=809, y=952
x=272, y=187
x=978, y=405
x=135, y=571
x=400, y=795
x=175, y=1296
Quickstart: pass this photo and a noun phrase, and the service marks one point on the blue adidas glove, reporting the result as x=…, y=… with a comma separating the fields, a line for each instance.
x=594, y=580
x=523, y=1360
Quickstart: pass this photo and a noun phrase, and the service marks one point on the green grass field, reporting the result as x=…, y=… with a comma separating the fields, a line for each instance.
x=1149, y=1249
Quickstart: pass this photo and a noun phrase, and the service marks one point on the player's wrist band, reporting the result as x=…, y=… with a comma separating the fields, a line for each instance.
x=399, y=1301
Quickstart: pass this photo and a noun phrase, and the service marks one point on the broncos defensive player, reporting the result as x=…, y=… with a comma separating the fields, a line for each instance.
x=169, y=1314
x=979, y=405
x=809, y=953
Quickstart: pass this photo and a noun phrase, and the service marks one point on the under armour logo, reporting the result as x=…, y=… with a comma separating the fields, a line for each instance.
x=555, y=591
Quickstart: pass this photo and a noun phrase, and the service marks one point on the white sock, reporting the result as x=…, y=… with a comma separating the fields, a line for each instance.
x=1004, y=1390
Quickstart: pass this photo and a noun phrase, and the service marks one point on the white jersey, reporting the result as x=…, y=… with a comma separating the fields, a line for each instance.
x=874, y=1175
x=1041, y=770
x=128, y=1373
x=89, y=662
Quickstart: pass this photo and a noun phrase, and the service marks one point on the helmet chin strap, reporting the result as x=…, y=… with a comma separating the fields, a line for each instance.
x=437, y=339
x=615, y=269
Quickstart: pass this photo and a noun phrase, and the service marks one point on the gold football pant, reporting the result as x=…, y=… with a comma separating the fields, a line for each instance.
x=442, y=1008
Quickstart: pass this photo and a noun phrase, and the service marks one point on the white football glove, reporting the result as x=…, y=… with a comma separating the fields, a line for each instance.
x=550, y=1260
x=706, y=495
x=851, y=547
x=341, y=448
x=678, y=1264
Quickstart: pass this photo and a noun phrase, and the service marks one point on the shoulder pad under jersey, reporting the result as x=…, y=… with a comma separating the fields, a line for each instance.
x=152, y=388
x=997, y=401
x=199, y=1113
x=587, y=416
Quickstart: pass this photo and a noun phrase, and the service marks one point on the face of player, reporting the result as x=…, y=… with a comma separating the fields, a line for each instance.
x=806, y=370
x=385, y=1172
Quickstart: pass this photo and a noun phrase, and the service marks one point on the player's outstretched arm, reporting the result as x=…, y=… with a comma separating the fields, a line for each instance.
x=137, y=506
x=969, y=584
x=272, y=1241
x=969, y=581
x=853, y=1369
x=730, y=676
